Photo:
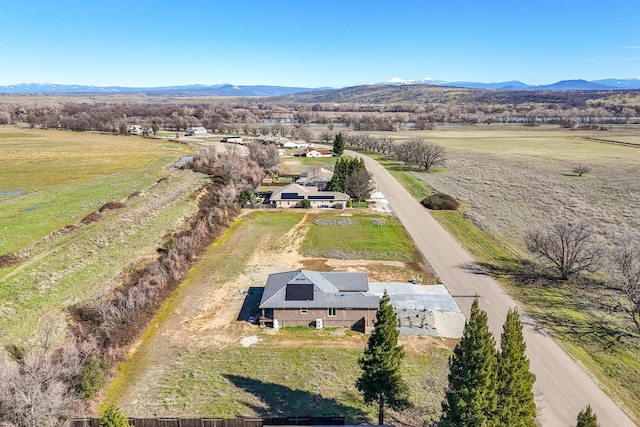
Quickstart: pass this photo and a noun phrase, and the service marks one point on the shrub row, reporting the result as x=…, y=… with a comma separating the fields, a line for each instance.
x=117, y=319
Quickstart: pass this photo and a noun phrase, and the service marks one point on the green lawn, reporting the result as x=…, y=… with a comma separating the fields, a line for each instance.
x=296, y=165
x=378, y=237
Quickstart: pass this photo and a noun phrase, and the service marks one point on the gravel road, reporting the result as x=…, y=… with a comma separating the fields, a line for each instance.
x=562, y=388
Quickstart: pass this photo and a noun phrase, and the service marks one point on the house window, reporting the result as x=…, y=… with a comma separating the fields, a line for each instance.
x=304, y=310
x=332, y=312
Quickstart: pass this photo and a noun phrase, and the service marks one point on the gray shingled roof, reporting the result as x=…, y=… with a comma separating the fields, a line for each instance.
x=331, y=289
x=348, y=281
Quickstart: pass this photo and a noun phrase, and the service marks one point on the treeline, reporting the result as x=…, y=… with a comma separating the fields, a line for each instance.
x=45, y=386
x=292, y=119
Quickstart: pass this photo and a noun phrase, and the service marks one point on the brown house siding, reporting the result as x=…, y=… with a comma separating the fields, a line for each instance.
x=353, y=318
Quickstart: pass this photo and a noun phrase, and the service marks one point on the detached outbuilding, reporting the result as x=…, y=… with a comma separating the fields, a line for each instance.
x=197, y=131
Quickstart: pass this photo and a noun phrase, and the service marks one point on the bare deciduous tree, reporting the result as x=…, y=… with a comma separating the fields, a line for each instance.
x=326, y=136
x=431, y=155
x=305, y=134
x=266, y=156
x=569, y=247
x=418, y=152
x=626, y=263
x=33, y=390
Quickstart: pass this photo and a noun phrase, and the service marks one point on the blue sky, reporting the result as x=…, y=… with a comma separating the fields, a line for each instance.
x=316, y=43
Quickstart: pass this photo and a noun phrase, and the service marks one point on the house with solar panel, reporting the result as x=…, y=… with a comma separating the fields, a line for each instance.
x=321, y=299
x=347, y=299
x=292, y=196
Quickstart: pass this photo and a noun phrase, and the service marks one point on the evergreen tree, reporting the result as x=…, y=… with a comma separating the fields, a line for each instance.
x=381, y=380
x=516, y=407
x=338, y=145
x=113, y=417
x=343, y=168
x=337, y=180
x=471, y=399
x=587, y=418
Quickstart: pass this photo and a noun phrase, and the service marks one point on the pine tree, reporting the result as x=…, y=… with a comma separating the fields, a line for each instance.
x=587, y=418
x=471, y=399
x=381, y=380
x=516, y=407
x=338, y=145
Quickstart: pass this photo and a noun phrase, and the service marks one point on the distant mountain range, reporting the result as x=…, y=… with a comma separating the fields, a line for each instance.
x=186, y=90
x=264, y=90
x=605, y=84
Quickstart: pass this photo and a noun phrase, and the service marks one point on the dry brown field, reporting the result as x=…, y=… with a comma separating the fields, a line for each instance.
x=515, y=178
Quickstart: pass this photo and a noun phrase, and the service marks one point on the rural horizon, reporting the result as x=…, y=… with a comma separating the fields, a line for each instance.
x=412, y=214
x=610, y=82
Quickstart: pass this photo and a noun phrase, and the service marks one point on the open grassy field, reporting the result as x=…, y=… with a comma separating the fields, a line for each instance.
x=87, y=262
x=514, y=179
x=291, y=371
x=52, y=179
x=49, y=179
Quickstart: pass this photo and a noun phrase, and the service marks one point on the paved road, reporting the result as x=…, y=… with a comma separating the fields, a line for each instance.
x=562, y=388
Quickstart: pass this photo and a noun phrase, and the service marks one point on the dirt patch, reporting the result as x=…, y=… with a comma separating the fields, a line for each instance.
x=317, y=264
x=420, y=344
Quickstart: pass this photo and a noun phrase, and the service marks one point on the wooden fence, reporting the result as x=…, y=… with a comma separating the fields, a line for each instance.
x=217, y=422
x=260, y=206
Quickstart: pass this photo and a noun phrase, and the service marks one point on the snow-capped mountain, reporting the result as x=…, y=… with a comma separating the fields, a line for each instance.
x=605, y=84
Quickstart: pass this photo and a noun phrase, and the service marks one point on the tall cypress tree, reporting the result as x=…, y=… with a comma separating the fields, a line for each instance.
x=381, y=380
x=471, y=399
x=338, y=145
x=587, y=418
x=516, y=407
x=339, y=173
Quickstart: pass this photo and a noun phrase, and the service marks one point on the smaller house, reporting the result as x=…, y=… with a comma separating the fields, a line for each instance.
x=301, y=143
x=317, y=177
x=288, y=144
x=315, y=152
x=234, y=139
x=135, y=129
x=197, y=131
x=277, y=140
x=292, y=196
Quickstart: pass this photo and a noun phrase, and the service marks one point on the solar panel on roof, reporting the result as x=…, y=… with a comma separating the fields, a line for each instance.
x=299, y=292
x=327, y=197
x=291, y=196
